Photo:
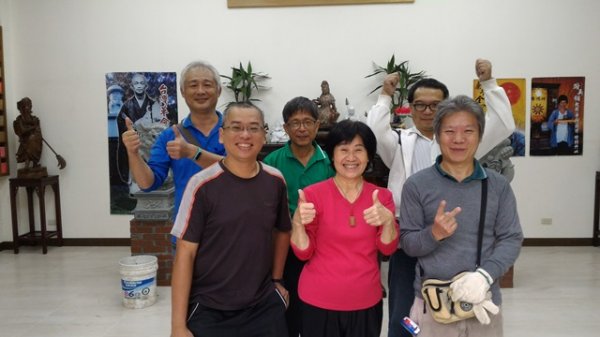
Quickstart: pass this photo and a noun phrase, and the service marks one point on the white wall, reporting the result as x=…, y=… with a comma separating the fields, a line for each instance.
x=57, y=52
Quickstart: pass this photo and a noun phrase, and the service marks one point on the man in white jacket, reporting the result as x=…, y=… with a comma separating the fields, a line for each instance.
x=407, y=151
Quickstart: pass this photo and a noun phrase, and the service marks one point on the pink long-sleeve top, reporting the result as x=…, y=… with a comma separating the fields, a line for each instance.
x=342, y=272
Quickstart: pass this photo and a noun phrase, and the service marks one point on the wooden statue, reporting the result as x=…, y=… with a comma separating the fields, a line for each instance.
x=328, y=114
x=27, y=127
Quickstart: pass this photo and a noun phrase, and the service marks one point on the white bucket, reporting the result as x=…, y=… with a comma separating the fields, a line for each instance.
x=138, y=280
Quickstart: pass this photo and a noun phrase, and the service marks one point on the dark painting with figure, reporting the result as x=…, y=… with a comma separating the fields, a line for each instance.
x=149, y=99
x=557, y=110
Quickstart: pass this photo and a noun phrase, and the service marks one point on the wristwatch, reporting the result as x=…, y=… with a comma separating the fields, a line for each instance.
x=278, y=280
x=198, y=153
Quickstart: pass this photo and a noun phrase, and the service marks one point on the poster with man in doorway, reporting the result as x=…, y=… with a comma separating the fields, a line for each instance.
x=557, y=110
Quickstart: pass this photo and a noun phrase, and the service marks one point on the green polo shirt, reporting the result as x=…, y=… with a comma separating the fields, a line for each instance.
x=296, y=175
x=478, y=172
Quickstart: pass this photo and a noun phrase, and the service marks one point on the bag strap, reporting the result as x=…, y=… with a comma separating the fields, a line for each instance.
x=187, y=135
x=481, y=220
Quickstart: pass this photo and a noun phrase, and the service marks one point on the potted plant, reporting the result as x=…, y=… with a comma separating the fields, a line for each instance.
x=407, y=78
x=243, y=82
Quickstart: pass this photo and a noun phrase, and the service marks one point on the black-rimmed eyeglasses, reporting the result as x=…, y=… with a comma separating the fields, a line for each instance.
x=308, y=123
x=253, y=129
x=420, y=107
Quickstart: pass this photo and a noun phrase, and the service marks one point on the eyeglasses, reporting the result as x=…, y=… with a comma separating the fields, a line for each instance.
x=237, y=129
x=308, y=123
x=420, y=107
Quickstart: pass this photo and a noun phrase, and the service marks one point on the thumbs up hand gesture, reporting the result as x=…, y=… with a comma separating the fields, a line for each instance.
x=378, y=214
x=305, y=212
x=444, y=224
x=130, y=138
x=179, y=148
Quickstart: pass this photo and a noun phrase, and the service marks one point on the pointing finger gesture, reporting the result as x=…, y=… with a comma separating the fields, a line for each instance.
x=444, y=224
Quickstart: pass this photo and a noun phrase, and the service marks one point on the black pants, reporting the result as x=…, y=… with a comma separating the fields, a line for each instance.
x=265, y=319
x=317, y=322
x=291, y=275
x=563, y=148
x=401, y=278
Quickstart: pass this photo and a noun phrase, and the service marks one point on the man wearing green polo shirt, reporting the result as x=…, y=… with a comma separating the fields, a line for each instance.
x=303, y=163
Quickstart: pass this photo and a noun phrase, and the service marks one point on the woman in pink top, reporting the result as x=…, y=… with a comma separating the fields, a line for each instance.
x=338, y=228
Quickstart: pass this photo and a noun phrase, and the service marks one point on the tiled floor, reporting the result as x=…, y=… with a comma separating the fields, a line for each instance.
x=75, y=291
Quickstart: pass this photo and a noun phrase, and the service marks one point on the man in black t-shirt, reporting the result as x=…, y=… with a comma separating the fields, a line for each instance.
x=233, y=230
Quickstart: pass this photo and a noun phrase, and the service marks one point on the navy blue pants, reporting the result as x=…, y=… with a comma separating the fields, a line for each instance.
x=291, y=275
x=401, y=294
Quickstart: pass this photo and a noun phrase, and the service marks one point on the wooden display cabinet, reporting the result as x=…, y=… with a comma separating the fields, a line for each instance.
x=4, y=171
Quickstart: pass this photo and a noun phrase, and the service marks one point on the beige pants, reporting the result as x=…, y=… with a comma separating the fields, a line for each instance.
x=466, y=328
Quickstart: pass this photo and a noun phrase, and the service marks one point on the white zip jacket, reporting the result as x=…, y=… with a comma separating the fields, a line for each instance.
x=398, y=156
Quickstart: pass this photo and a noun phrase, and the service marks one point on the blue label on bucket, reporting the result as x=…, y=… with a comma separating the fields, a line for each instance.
x=135, y=289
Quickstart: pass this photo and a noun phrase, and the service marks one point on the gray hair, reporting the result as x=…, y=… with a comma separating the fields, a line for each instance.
x=456, y=104
x=201, y=65
x=243, y=105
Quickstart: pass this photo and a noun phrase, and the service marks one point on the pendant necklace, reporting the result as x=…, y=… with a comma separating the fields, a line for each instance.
x=352, y=219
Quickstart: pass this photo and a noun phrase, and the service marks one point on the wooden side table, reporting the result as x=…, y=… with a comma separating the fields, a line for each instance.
x=33, y=236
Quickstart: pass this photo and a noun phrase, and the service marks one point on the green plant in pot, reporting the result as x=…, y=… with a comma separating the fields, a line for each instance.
x=407, y=78
x=244, y=81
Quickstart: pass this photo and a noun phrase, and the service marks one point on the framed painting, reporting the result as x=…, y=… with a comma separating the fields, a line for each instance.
x=149, y=100
x=288, y=3
x=515, y=90
x=557, y=111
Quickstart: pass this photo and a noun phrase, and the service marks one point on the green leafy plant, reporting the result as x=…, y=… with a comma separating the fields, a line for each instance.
x=244, y=81
x=407, y=78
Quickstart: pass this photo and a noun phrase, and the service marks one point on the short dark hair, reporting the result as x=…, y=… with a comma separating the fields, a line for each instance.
x=430, y=83
x=563, y=98
x=456, y=104
x=243, y=105
x=345, y=131
x=300, y=103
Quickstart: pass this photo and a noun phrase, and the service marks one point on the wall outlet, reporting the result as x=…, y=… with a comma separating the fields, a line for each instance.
x=546, y=221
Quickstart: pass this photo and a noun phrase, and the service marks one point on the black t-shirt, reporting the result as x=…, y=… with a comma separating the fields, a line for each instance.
x=232, y=219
